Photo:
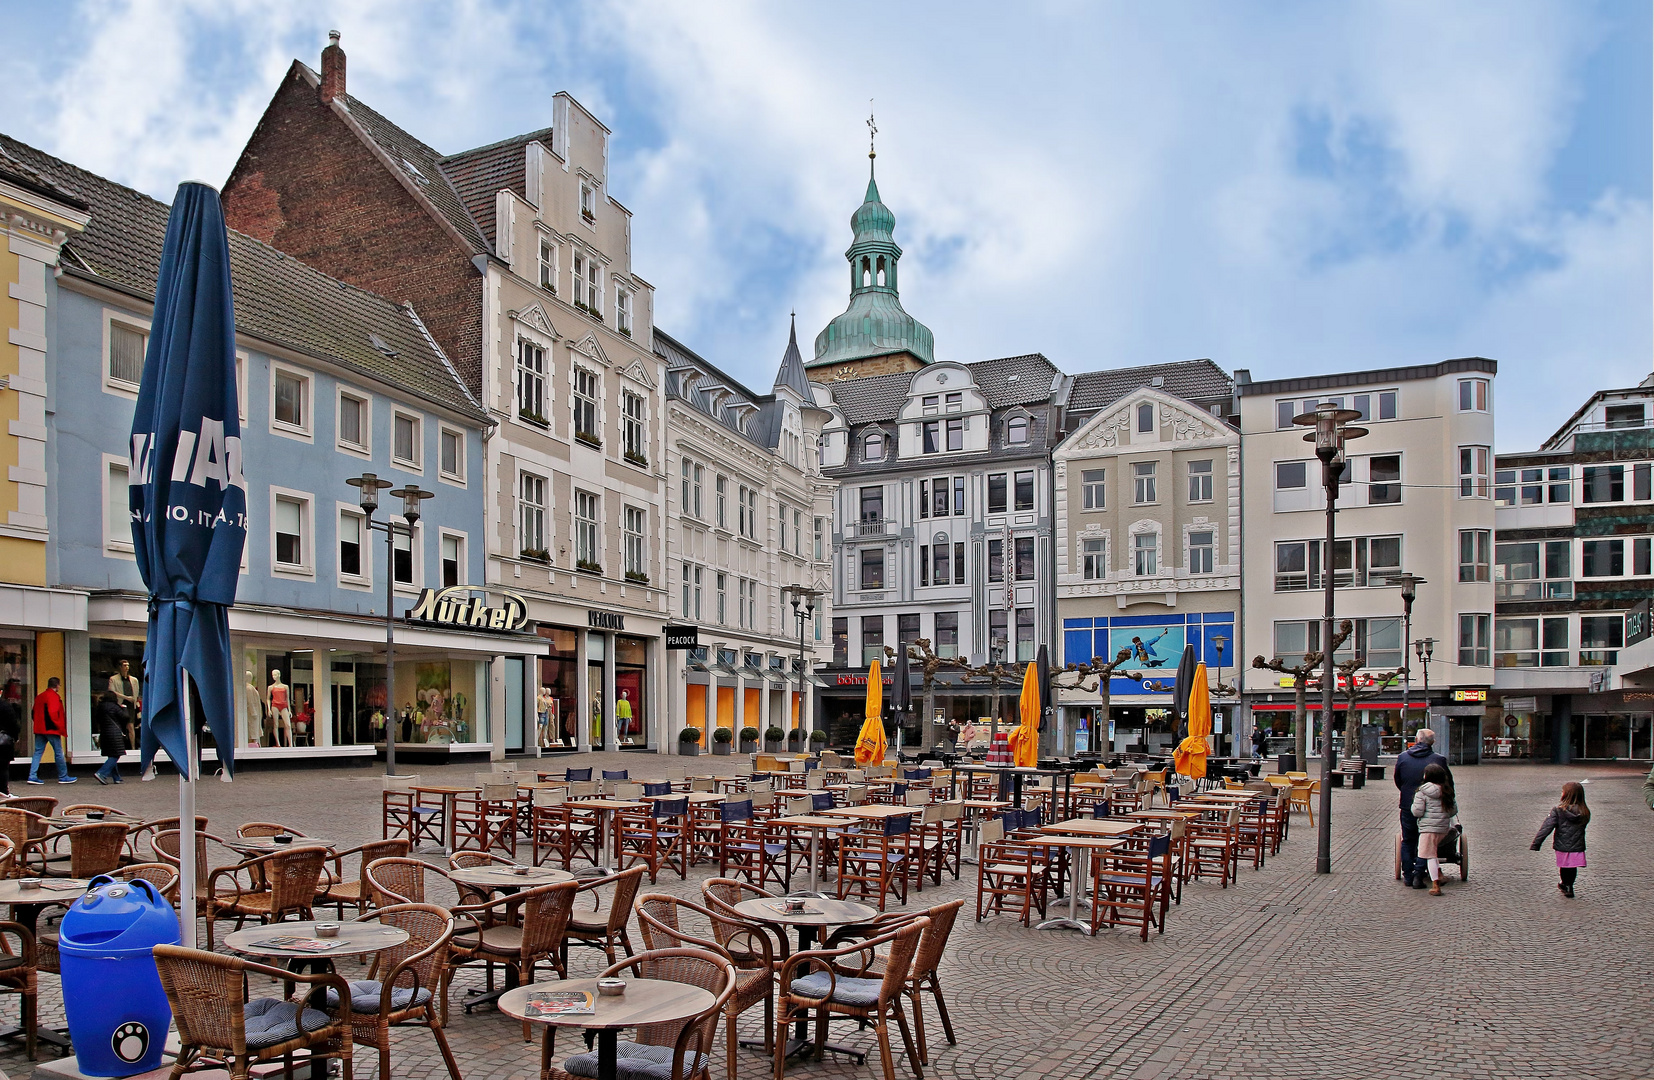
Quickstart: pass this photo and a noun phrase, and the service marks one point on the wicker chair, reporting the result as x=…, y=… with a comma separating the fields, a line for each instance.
x=404, y=880
x=843, y=982
x=24, y=829
x=44, y=805
x=748, y=947
x=218, y=1029
x=466, y=860
x=536, y=935
x=165, y=881
x=721, y=896
x=289, y=878
x=683, y=1047
x=82, y=809
x=922, y=976
x=140, y=835
x=604, y=926
x=19, y=974
x=93, y=849
x=402, y=986
x=358, y=893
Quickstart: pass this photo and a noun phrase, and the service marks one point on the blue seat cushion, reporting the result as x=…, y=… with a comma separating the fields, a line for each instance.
x=269, y=1021
x=856, y=993
x=364, y=996
x=633, y=1062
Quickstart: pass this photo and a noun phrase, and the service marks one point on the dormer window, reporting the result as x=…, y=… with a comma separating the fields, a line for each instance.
x=1145, y=419
x=872, y=446
x=1016, y=431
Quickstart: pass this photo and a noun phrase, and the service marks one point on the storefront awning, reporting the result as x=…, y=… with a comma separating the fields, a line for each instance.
x=721, y=670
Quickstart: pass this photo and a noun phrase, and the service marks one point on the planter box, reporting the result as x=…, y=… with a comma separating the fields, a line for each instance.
x=772, y=746
x=720, y=749
x=689, y=749
x=749, y=746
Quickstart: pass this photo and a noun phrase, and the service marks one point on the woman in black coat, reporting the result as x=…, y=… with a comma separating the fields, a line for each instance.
x=112, y=721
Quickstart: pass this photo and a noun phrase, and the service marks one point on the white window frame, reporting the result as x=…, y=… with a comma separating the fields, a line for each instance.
x=112, y=385
x=445, y=534
x=306, y=567
x=588, y=529
x=593, y=402
x=634, y=539
x=548, y=267
x=720, y=495
x=1094, y=564
x=117, y=531
x=363, y=449
x=526, y=376
x=455, y=478
x=1094, y=493
x=623, y=310
x=416, y=561
x=1207, y=476
x=1189, y=548
x=1479, y=388
x=1153, y=483
x=302, y=432
x=720, y=593
x=242, y=362
x=586, y=203
x=542, y=508
x=1138, y=549
x=363, y=580
x=634, y=428
x=415, y=463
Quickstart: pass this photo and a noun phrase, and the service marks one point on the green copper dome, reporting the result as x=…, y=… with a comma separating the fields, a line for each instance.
x=874, y=324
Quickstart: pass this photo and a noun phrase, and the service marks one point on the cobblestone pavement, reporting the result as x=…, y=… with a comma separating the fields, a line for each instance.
x=1285, y=975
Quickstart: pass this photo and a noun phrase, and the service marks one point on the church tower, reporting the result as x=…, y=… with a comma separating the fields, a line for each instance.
x=873, y=336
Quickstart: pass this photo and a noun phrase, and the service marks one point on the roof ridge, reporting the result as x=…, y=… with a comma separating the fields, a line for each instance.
x=526, y=137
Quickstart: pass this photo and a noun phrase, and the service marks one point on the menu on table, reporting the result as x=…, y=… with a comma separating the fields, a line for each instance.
x=561, y=1003
x=304, y=944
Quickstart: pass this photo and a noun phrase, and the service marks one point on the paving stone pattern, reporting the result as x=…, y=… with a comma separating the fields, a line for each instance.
x=1284, y=975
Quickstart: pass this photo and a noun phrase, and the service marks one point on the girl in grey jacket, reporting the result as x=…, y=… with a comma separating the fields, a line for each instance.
x=1566, y=826
x=1435, y=807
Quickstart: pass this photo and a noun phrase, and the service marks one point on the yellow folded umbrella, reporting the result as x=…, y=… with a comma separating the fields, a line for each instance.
x=1025, y=736
x=871, y=744
x=1190, y=758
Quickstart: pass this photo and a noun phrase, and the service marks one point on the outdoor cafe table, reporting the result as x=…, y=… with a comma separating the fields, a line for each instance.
x=871, y=811
x=264, y=845
x=646, y=1001
x=817, y=826
x=815, y=918
x=1082, y=846
x=606, y=809
x=356, y=939
x=1018, y=774
x=1091, y=827
x=974, y=809
x=503, y=878
x=61, y=821
x=26, y=905
x=448, y=792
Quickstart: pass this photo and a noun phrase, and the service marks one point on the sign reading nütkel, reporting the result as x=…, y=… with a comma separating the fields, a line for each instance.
x=456, y=607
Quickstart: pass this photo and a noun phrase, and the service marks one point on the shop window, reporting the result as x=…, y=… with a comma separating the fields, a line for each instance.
x=557, y=699
x=453, y=560
x=631, y=685
x=1093, y=489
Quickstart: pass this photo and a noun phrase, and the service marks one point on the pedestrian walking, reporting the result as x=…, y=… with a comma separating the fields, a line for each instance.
x=11, y=729
x=1565, y=825
x=1409, y=773
x=112, y=721
x=50, y=725
x=1435, y=807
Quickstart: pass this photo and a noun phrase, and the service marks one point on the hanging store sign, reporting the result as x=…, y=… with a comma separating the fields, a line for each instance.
x=683, y=637
x=1470, y=695
x=605, y=620
x=1636, y=622
x=459, y=607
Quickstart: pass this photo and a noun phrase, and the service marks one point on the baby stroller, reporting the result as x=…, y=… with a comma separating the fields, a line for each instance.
x=1454, y=848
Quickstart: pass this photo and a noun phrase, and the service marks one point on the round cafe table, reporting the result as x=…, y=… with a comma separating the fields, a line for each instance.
x=815, y=918
x=264, y=845
x=503, y=878
x=646, y=1001
x=26, y=905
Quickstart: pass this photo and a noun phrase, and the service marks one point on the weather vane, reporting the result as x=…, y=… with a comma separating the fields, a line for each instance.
x=872, y=129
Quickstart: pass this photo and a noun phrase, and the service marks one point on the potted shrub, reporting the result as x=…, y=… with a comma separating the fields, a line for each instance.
x=749, y=739
x=772, y=738
x=589, y=439
x=721, y=738
x=795, y=739
x=588, y=567
x=636, y=577
x=818, y=739
x=689, y=742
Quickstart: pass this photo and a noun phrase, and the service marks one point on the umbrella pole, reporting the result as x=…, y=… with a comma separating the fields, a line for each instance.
x=187, y=772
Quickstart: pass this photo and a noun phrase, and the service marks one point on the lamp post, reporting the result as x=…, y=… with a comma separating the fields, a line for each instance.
x=996, y=657
x=1409, y=592
x=804, y=609
x=1218, y=642
x=1426, y=649
x=369, y=486
x=1331, y=433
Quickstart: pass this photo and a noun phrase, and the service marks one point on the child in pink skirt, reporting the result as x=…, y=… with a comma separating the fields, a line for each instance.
x=1567, y=820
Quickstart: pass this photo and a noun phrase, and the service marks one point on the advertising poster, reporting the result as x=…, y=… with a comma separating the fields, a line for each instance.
x=1152, y=647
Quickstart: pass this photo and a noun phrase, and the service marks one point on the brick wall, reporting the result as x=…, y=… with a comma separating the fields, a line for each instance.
x=308, y=186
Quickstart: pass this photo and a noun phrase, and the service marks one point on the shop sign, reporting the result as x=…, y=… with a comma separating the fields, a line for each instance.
x=1636, y=622
x=1470, y=695
x=459, y=607
x=861, y=680
x=683, y=637
x=605, y=620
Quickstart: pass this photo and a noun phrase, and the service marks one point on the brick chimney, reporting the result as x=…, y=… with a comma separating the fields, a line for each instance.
x=333, y=68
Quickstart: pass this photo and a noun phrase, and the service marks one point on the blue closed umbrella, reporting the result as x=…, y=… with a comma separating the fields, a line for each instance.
x=189, y=498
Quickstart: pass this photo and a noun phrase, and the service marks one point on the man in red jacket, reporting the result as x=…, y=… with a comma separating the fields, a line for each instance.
x=51, y=723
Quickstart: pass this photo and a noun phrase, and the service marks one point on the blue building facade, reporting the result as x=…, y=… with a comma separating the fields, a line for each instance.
x=334, y=382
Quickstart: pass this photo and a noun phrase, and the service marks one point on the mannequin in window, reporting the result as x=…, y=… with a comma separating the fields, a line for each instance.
x=546, y=706
x=129, y=695
x=597, y=718
x=255, y=710
x=623, y=717
x=281, y=711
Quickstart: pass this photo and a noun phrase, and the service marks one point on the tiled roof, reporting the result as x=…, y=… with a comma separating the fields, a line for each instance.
x=427, y=174
x=277, y=298
x=876, y=397
x=761, y=426
x=478, y=175
x=792, y=374
x=24, y=175
x=1192, y=380
x=1014, y=380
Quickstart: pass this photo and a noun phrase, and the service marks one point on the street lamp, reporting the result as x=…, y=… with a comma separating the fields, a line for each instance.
x=1332, y=431
x=1409, y=584
x=1426, y=649
x=996, y=657
x=804, y=609
x=369, y=486
x=1218, y=642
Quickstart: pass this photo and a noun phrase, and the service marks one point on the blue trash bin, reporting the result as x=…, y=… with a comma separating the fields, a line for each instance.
x=118, y=1014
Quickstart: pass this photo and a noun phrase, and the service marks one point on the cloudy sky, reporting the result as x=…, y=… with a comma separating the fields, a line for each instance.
x=1287, y=187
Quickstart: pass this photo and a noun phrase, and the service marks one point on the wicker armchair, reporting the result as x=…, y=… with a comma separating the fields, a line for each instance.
x=146, y=833
x=922, y=976
x=218, y=1029
x=683, y=1047
x=402, y=986
x=604, y=926
x=358, y=893
x=466, y=860
x=19, y=970
x=721, y=896
x=289, y=888
x=537, y=934
x=24, y=829
x=93, y=849
x=660, y=927
x=844, y=982
x=401, y=880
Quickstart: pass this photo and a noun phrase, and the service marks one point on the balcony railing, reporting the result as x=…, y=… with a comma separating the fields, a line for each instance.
x=869, y=527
